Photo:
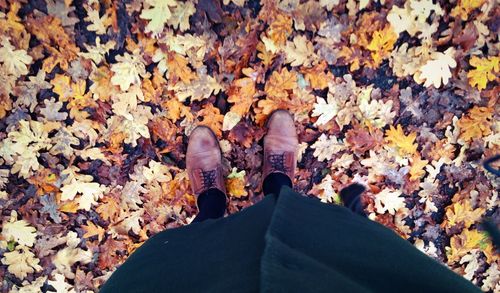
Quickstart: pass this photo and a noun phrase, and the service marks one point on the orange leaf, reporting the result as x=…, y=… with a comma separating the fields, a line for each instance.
x=109, y=209
x=178, y=68
x=280, y=29
x=212, y=118
x=241, y=94
x=93, y=230
x=476, y=124
x=280, y=83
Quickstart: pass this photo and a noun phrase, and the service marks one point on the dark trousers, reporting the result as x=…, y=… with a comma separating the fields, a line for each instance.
x=212, y=203
x=285, y=243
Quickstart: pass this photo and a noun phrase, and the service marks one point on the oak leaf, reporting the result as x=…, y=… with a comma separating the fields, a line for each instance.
x=212, y=118
x=404, y=144
x=325, y=110
x=389, y=201
x=180, y=15
x=280, y=83
x=299, y=52
x=19, y=231
x=21, y=262
x=93, y=230
x=158, y=12
x=109, y=209
x=436, y=71
x=465, y=8
x=280, y=29
x=327, y=146
x=127, y=71
x=15, y=62
x=486, y=70
x=476, y=124
x=381, y=44
x=462, y=213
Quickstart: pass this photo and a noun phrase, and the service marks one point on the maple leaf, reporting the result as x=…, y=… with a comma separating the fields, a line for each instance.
x=327, y=146
x=21, y=262
x=158, y=13
x=396, y=138
x=462, y=213
x=389, y=201
x=127, y=70
x=437, y=69
x=476, y=124
x=93, y=230
x=235, y=183
x=484, y=72
x=18, y=230
x=14, y=61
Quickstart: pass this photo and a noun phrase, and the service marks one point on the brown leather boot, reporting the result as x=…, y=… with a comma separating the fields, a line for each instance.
x=280, y=145
x=204, y=161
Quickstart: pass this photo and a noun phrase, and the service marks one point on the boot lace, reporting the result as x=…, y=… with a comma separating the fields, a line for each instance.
x=208, y=178
x=278, y=162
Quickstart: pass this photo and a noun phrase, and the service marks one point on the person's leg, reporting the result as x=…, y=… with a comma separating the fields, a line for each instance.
x=273, y=183
x=280, y=152
x=204, y=167
x=351, y=196
x=211, y=205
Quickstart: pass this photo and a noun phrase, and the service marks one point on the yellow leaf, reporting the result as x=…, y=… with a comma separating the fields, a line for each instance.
x=465, y=7
x=484, y=72
x=69, y=207
x=381, y=44
x=461, y=244
x=476, y=124
x=462, y=213
x=417, y=170
x=396, y=138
